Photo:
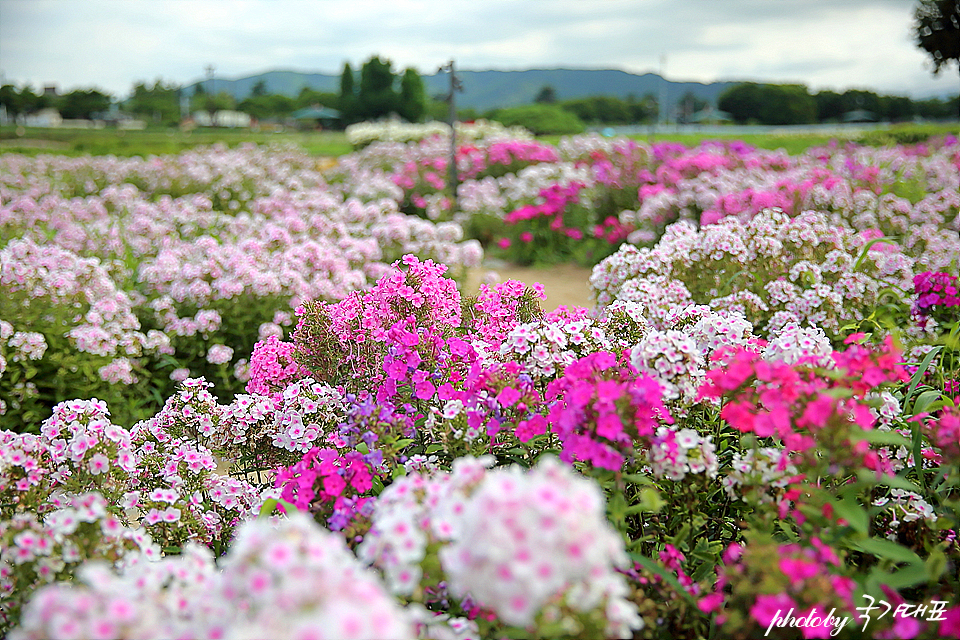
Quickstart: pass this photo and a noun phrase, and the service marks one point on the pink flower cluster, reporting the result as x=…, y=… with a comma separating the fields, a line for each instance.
x=937, y=295
x=329, y=484
x=273, y=367
x=601, y=410
x=801, y=578
x=804, y=409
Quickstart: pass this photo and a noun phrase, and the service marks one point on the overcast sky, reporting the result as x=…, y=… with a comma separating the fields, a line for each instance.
x=110, y=44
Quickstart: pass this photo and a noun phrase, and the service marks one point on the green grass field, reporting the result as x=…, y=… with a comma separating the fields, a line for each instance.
x=797, y=143
x=76, y=142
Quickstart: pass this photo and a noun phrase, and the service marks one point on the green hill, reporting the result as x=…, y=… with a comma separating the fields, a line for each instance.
x=483, y=90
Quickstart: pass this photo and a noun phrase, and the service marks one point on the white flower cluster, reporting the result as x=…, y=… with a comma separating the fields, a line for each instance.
x=47, y=549
x=363, y=133
x=304, y=415
x=521, y=543
x=905, y=506
x=219, y=354
x=284, y=579
x=712, y=330
x=759, y=474
x=674, y=360
x=888, y=411
x=772, y=269
x=546, y=347
x=26, y=345
x=674, y=454
x=793, y=343
x=414, y=509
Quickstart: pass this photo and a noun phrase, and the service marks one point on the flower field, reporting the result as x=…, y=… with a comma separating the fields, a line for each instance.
x=247, y=396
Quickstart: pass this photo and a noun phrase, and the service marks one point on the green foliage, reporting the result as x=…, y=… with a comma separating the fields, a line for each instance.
x=348, y=96
x=211, y=103
x=605, y=109
x=546, y=95
x=21, y=101
x=152, y=141
x=769, y=103
x=310, y=97
x=937, y=109
x=264, y=107
x=413, y=97
x=84, y=103
x=540, y=119
x=377, y=97
x=159, y=104
x=346, y=81
x=937, y=31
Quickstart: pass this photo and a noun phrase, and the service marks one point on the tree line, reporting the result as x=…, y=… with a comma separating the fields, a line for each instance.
x=80, y=103
x=375, y=92
x=778, y=104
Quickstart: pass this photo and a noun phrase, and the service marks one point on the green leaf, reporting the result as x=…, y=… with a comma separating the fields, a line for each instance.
x=636, y=478
x=921, y=372
x=617, y=507
x=788, y=530
x=868, y=246
x=650, y=502
x=902, y=578
x=270, y=505
x=681, y=536
x=936, y=564
x=514, y=633
x=883, y=548
x=928, y=401
x=875, y=436
x=855, y=515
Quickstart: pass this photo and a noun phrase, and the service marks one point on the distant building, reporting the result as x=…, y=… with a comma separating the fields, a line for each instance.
x=711, y=116
x=224, y=118
x=44, y=118
x=316, y=116
x=859, y=115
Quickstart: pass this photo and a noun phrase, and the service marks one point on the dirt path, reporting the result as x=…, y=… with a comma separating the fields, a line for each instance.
x=565, y=284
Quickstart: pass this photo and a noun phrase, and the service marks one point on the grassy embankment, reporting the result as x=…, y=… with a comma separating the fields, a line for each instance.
x=76, y=142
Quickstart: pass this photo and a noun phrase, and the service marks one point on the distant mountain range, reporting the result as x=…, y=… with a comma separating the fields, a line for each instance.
x=484, y=90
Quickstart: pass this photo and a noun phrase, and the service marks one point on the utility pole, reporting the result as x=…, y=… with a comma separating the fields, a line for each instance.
x=455, y=86
x=210, y=107
x=662, y=116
